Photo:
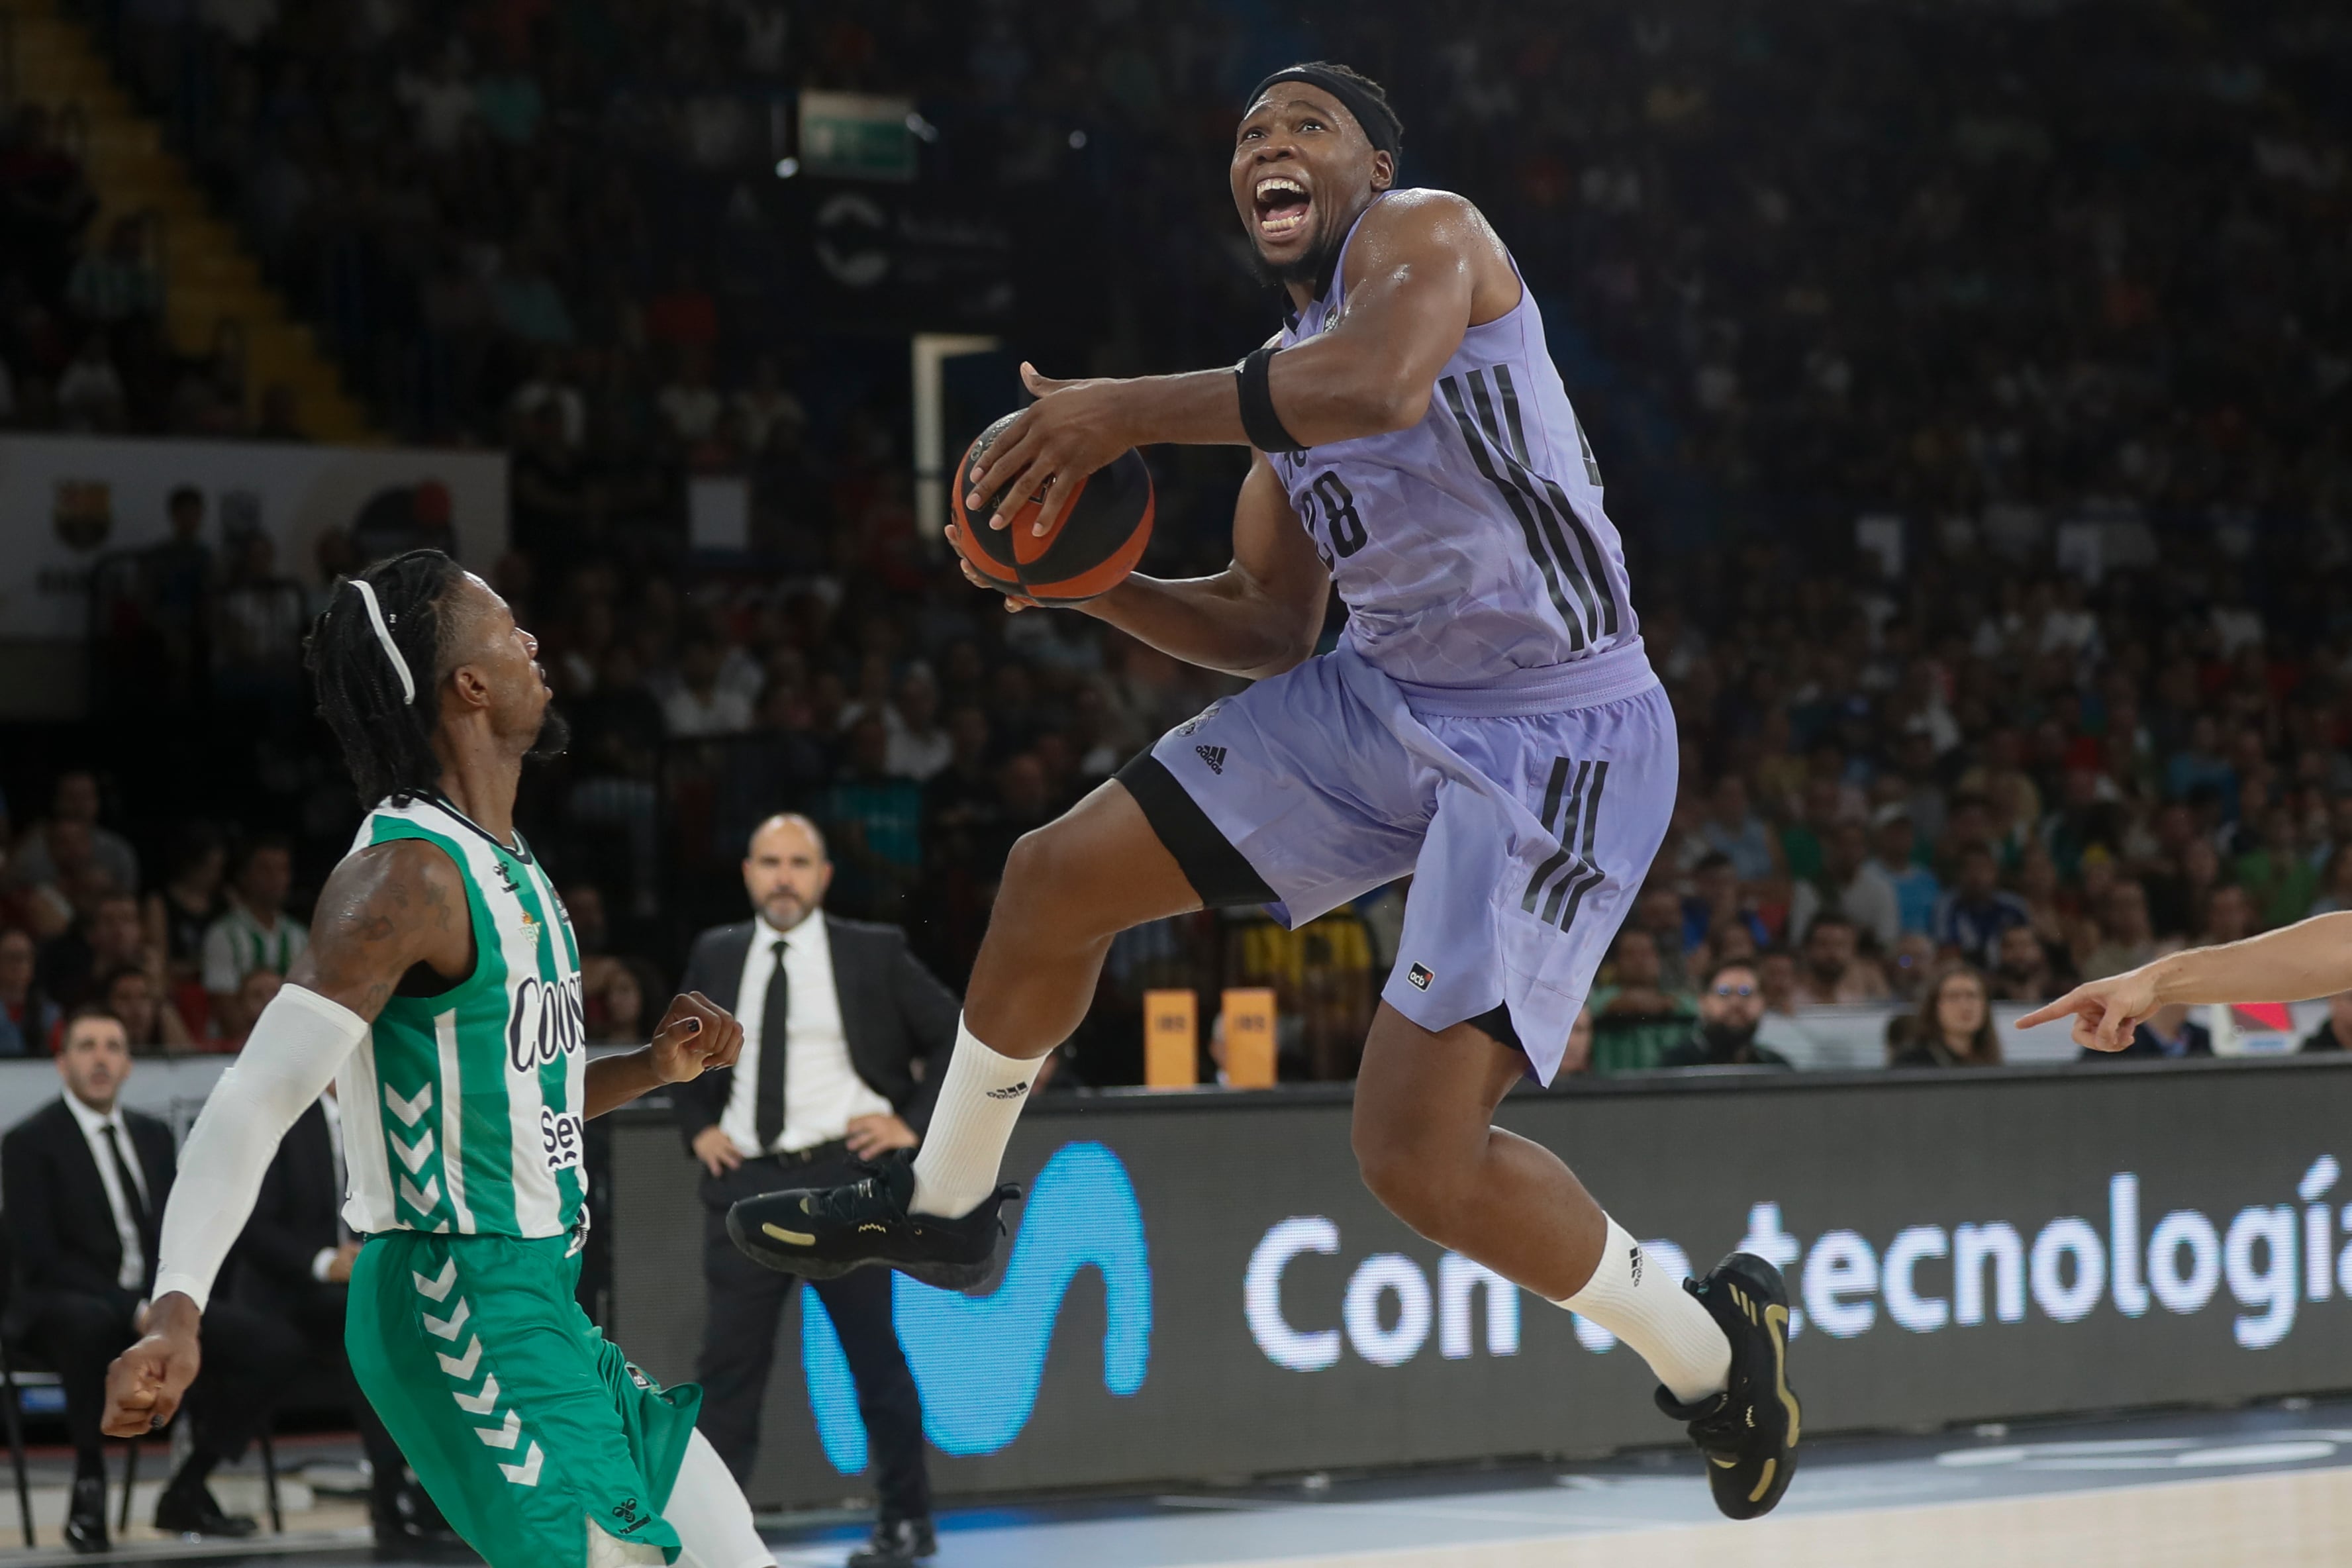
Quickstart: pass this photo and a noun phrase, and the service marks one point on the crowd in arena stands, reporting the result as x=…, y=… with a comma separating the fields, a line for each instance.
x=1970, y=783
x=2052, y=294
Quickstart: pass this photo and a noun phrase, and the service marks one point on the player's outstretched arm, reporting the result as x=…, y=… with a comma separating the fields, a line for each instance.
x=384, y=910
x=1422, y=267
x=2293, y=963
x=696, y=1035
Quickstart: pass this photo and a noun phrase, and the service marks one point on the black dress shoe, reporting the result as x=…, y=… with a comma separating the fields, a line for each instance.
x=406, y=1517
x=192, y=1510
x=86, y=1515
x=897, y=1543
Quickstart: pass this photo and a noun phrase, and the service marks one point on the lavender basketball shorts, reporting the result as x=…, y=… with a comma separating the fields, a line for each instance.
x=1527, y=812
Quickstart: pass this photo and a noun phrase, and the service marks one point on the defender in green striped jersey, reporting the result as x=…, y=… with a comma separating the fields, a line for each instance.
x=441, y=989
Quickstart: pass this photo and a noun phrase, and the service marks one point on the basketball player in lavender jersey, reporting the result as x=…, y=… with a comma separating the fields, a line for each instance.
x=1489, y=723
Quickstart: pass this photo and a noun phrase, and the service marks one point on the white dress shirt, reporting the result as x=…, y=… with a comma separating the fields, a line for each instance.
x=822, y=1090
x=94, y=1123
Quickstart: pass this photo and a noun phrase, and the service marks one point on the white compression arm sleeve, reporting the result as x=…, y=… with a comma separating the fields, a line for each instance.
x=297, y=1046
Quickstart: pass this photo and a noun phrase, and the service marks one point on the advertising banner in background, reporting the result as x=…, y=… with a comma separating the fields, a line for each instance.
x=1199, y=1286
x=68, y=500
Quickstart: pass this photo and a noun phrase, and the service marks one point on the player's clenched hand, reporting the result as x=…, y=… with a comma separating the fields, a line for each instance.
x=696, y=1035
x=1012, y=602
x=146, y=1382
x=1073, y=429
x=2105, y=1011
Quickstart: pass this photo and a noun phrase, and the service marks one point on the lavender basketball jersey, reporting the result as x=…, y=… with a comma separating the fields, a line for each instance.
x=1474, y=542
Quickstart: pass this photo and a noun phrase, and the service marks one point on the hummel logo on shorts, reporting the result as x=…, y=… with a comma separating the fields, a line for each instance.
x=1213, y=755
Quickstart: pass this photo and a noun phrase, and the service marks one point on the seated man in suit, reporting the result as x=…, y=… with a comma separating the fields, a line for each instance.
x=840, y=1022
x=84, y=1181
x=293, y=1266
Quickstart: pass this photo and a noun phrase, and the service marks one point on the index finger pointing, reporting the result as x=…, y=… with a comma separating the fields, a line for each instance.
x=2072, y=1002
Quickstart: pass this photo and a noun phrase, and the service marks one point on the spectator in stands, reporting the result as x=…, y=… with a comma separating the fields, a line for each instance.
x=1732, y=830
x=87, y=1181
x=177, y=915
x=702, y=706
x=28, y=1016
x=919, y=745
x=1731, y=1008
x=2336, y=1033
x=131, y=994
x=1954, y=1027
x=118, y=287
x=107, y=938
x=75, y=800
x=877, y=821
x=1970, y=917
x=1833, y=971
x=2278, y=877
x=255, y=932
x=1717, y=901
x=1576, y=1061
x=1913, y=962
x=617, y=1013
x=2336, y=888
x=1851, y=885
x=2126, y=939
x=292, y=1269
x=1642, y=1017
x=90, y=394
x=2229, y=916
x=2024, y=972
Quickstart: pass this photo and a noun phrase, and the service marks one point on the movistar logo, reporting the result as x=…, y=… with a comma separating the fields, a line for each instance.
x=978, y=1361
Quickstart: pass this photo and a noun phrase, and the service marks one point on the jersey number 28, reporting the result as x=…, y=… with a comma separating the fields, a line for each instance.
x=1330, y=497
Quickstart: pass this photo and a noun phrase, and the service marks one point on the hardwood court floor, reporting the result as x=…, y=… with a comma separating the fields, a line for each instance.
x=2270, y=1486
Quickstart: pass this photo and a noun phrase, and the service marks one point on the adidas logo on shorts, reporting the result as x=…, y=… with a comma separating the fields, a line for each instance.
x=1213, y=755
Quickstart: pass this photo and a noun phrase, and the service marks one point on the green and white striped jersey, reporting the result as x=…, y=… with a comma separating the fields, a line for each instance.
x=463, y=1111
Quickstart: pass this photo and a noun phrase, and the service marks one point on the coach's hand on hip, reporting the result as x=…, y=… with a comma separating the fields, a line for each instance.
x=716, y=1151
x=870, y=1137
x=696, y=1035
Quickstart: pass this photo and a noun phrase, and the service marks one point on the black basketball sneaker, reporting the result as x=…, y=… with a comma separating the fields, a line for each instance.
x=1748, y=1432
x=820, y=1233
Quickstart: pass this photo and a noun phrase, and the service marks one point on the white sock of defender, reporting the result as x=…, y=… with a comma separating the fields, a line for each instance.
x=964, y=1148
x=1665, y=1325
x=708, y=1510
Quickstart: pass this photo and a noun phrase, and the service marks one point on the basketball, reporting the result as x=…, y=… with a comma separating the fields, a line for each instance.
x=1099, y=539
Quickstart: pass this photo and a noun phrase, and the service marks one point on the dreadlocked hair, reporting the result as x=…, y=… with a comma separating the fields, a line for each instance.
x=387, y=741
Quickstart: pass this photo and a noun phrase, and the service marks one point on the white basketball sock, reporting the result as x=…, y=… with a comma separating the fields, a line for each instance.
x=1640, y=1304
x=964, y=1148
x=708, y=1510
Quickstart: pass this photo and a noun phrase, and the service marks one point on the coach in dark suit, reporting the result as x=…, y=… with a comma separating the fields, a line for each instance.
x=85, y=1182
x=293, y=1267
x=844, y=1036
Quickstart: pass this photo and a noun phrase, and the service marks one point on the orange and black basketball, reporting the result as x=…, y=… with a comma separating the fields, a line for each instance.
x=1090, y=550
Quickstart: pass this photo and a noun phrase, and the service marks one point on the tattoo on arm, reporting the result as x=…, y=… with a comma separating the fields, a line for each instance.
x=373, y=924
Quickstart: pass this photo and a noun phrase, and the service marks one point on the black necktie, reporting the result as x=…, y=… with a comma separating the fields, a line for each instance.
x=770, y=1115
x=131, y=1197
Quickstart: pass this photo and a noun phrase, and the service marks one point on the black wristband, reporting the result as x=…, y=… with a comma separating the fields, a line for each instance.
x=1259, y=420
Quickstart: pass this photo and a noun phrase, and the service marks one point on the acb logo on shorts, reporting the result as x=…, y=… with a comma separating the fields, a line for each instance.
x=1420, y=976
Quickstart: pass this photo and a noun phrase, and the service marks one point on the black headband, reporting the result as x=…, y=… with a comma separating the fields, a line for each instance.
x=1379, y=120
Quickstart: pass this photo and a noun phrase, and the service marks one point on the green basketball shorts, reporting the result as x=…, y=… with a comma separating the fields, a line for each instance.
x=522, y=1422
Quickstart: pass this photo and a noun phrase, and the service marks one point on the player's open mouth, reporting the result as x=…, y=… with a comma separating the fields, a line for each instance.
x=1282, y=206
